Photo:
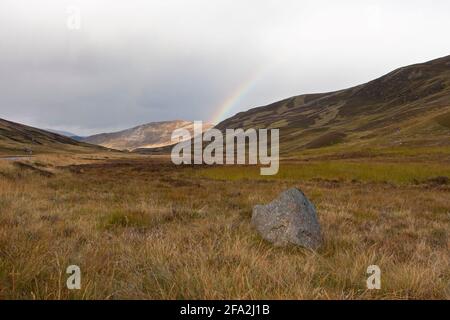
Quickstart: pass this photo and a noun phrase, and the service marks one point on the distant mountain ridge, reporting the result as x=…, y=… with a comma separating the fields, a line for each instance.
x=66, y=134
x=150, y=135
x=61, y=132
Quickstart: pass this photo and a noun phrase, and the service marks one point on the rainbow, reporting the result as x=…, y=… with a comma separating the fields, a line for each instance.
x=237, y=94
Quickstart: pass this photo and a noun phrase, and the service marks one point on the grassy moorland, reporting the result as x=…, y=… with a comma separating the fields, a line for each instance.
x=141, y=228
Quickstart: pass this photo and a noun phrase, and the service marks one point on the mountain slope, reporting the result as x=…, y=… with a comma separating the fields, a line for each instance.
x=17, y=138
x=409, y=106
x=150, y=135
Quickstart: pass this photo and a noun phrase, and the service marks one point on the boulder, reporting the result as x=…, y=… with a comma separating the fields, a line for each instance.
x=290, y=219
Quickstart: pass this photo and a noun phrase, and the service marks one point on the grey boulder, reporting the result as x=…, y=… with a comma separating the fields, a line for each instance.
x=290, y=219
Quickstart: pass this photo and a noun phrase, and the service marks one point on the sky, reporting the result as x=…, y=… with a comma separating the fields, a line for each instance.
x=99, y=66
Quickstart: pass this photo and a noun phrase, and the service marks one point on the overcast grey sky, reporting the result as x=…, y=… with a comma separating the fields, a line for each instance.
x=133, y=62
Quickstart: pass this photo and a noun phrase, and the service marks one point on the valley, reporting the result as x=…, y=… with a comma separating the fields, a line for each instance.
x=374, y=160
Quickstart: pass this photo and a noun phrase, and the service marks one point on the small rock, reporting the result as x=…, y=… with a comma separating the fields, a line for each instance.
x=289, y=219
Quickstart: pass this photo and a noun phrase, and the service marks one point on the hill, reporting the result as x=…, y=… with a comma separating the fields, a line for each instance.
x=150, y=135
x=407, y=107
x=17, y=138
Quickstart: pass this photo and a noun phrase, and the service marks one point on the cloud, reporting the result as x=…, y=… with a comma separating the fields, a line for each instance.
x=140, y=61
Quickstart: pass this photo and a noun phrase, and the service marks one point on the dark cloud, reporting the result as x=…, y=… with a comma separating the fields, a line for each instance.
x=141, y=61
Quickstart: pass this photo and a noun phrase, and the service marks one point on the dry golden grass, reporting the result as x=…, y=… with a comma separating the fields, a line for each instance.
x=141, y=228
